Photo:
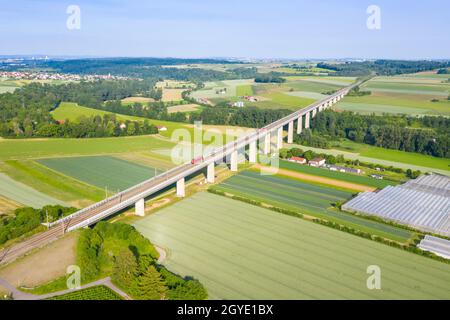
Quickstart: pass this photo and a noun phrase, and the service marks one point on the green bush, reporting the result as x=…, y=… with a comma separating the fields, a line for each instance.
x=182, y=289
x=28, y=219
x=132, y=258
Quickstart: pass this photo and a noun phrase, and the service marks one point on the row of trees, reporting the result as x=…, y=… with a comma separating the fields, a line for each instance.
x=339, y=159
x=382, y=67
x=252, y=117
x=25, y=220
x=133, y=261
x=427, y=135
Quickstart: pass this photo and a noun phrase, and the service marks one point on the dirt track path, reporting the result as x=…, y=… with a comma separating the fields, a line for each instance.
x=312, y=178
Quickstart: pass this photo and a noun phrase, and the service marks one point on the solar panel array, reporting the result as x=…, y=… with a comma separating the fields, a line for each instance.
x=439, y=246
x=423, y=203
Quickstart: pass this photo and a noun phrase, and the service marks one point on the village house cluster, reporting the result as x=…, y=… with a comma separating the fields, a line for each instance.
x=321, y=163
x=20, y=75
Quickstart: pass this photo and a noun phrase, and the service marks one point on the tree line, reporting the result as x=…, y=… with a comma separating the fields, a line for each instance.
x=27, y=220
x=426, y=135
x=131, y=259
x=382, y=67
x=251, y=117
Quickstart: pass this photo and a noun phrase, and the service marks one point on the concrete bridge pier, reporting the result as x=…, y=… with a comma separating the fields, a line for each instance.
x=139, y=207
x=266, y=149
x=290, y=138
x=180, y=188
x=234, y=161
x=299, y=125
x=307, y=120
x=252, y=152
x=210, y=172
x=279, y=138
x=314, y=112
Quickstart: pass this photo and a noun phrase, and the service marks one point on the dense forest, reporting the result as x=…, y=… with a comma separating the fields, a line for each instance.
x=26, y=111
x=427, y=135
x=382, y=67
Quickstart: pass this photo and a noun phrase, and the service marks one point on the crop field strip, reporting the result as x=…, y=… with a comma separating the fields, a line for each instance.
x=305, y=198
x=24, y=194
x=54, y=184
x=409, y=94
x=241, y=251
x=101, y=171
x=364, y=180
x=40, y=148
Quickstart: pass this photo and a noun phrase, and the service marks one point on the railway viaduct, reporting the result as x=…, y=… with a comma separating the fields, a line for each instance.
x=135, y=196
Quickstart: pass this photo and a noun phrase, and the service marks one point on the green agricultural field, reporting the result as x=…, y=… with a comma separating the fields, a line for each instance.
x=92, y=293
x=418, y=88
x=307, y=94
x=244, y=90
x=334, y=81
x=283, y=100
x=52, y=183
x=40, y=148
x=396, y=155
x=359, y=179
x=305, y=198
x=101, y=171
x=312, y=85
x=406, y=94
x=239, y=251
x=23, y=194
x=211, y=88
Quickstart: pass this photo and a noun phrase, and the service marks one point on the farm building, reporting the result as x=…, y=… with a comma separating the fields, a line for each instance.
x=238, y=104
x=344, y=169
x=161, y=128
x=297, y=160
x=423, y=203
x=316, y=162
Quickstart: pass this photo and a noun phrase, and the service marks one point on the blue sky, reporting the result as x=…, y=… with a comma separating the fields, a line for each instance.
x=227, y=28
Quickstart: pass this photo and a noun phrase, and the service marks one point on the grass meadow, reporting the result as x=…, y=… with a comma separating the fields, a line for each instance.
x=54, y=147
x=239, y=251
